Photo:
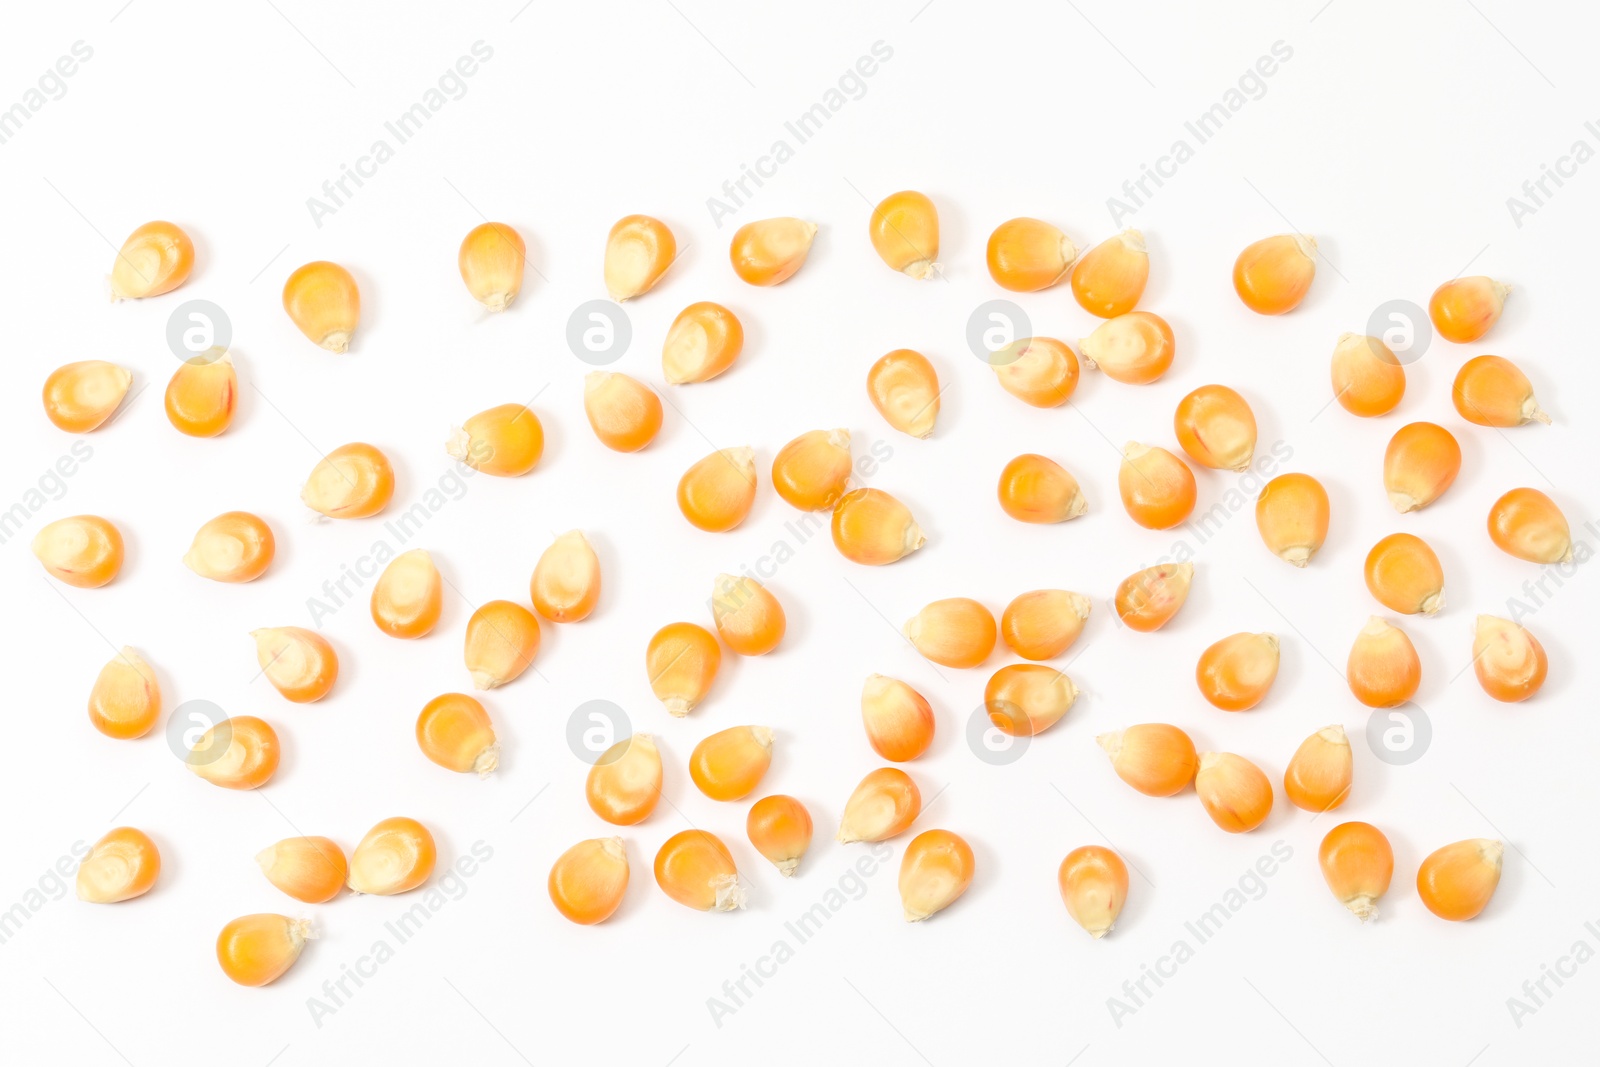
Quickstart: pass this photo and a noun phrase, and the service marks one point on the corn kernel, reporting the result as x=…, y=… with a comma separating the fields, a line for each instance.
x=624, y=784
x=1493, y=391
x=1234, y=792
x=1367, y=378
x=1216, y=427
x=936, y=869
x=491, y=260
x=502, y=639
x=1157, y=488
x=905, y=389
x=1235, y=673
x=588, y=880
x=236, y=546
x=566, y=581
x=1383, y=670
x=730, y=763
x=454, y=731
x=79, y=397
x=1292, y=517
x=1044, y=623
x=885, y=803
x=1109, y=279
x=1147, y=599
x=1527, y=524
x=1037, y=489
x=1421, y=462
x=395, y=856
x=873, y=528
x=1134, y=349
x=897, y=718
x=122, y=865
x=310, y=869
x=1404, y=574
x=956, y=632
x=201, y=394
x=1024, y=699
x=813, y=471
x=1026, y=255
x=299, y=663
x=749, y=619
x=255, y=950
x=1318, y=775
x=696, y=869
x=126, y=699
x=905, y=233
x=1509, y=661
x=237, y=753
x=156, y=258
x=1464, y=309
x=1094, y=885
x=84, y=550
x=351, y=482
x=505, y=441
x=1273, y=275
x=780, y=829
x=624, y=413
x=1040, y=371
x=1155, y=758
x=770, y=251
x=1456, y=881
x=639, y=250
x=716, y=493
x=408, y=596
x=702, y=342
x=682, y=660
x=1357, y=863
x=322, y=299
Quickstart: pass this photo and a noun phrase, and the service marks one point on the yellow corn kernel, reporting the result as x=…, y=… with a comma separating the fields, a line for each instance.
x=1024, y=699
x=730, y=763
x=299, y=663
x=873, y=528
x=769, y=251
x=502, y=639
x=1147, y=599
x=1216, y=427
x=1456, y=881
x=566, y=581
x=1094, y=885
x=236, y=546
x=936, y=869
x=1044, y=623
x=79, y=397
x=505, y=441
x=898, y=720
x=1383, y=670
x=1235, y=673
x=1318, y=775
x=702, y=342
x=813, y=471
x=1421, y=462
x=454, y=731
x=716, y=493
x=779, y=827
x=639, y=250
x=885, y=803
x=1292, y=517
x=625, y=782
x=1157, y=488
x=395, y=856
x=905, y=233
x=1493, y=391
x=201, y=394
x=1367, y=378
x=491, y=260
x=1035, y=488
x=1134, y=349
x=237, y=753
x=682, y=660
x=624, y=413
x=351, y=482
x=1155, y=758
x=156, y=258
x=696, y=869
x=122, y=865
x=1109, y=278
x=1272, y=275
x=1234, y=791
x=322, y=299
x=1527, y=524
x=310, y=869
x=1357, y=863
x=1509, y=661
x=1026, y=255
x=957, y=632
x=84, y=550
x=126, y=699
x=1404, y=574
x=1462, y=310
x=905, y=389
x=1040, y=371
x=408, y=596
x=749, y=619
x=255, y=950
x=588, y=880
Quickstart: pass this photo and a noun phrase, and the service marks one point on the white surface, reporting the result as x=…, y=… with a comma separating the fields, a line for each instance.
x=1395, y=134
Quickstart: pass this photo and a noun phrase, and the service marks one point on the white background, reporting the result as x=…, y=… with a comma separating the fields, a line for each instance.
x=1395, y=133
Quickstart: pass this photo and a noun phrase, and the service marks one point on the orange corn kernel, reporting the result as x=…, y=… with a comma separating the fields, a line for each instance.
x=1493, y=391
x=310, y=869
x=1109, y=279
x=1234, y=791
x=351, y=482
x=1292, y=517
x=1094, y=885
x=1367, y=378
x=696, y=869
x=1156, y=759
x=299, y=663
x=236, y=546
x=1273, y=275
x=1357, y=863
x=1024, y=699
x=1383, y=670
x=813, y=471
x=1134, y=349
x=1026, y=255
x=905, y=233
x=255, y=950
x=639, y=250
x=237, y=753
x=682, y=660
x=1509, y=661
x=936, y=869
x=454, y=731
x=624, y=413
x=1147, y=599
x=491, y=260
x=1527, y=524
x=749, y=619
x=566, y=581
x=730, y=763
x=904, y=388
x=770, y=251
x=1216, y=427
x=1157, y=488
x=1035, y=488
x=873, y=528
x=395, y=856
x=84, y=550
x=502, y=639
x=322, y=299
x=885, y=803
x=156, y=258
x=716, y=493
x=79, y=397
x=1421, y=462
x=126, y=699
x=201, y=395
x=1462, y=310
x=1404, y=574
x=1318, y=775
x=505, y=441
x=588, y=880
x=898, y=719
x=702, y=342
x=1456, y=881
x=956, y=632
x=624, y=784
x=408, y=596
x=1235, y=673
x=1040, y=371
x=122, y=865
x=1044, y=623
x=780, y=829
